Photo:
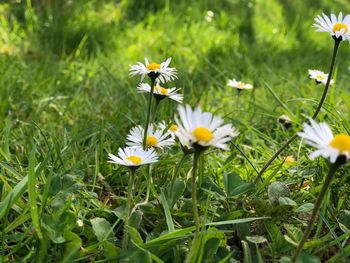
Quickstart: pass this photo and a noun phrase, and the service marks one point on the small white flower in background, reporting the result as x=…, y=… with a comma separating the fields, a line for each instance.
x=161, y=72
x=203, y=128
x=133, y=157
x=321, y=137
x=319, y=76
x=156, y=137
x=80, y=223
x=161, y=92
x=238, y=85
x=209, y=16
x=336, y=26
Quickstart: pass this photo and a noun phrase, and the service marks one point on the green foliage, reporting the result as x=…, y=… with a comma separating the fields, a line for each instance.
x=66, y=100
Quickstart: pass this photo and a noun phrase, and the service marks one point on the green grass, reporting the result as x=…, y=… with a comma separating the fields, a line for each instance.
x=67, y=99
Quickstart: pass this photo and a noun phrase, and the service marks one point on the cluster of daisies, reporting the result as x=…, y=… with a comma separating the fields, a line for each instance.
x=194, y=128
x=320, y=135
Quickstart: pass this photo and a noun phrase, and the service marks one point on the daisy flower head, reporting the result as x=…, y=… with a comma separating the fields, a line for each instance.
x=337, y=27
x=175, y=132
x=319, y=76
x=203, y=129
x=133, y=157
x=160, y=92
x=320, y=136
x=156, y=137
x=239, y=85
x=159, y=72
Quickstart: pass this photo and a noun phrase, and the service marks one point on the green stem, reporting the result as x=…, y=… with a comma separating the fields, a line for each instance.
x=317, y=111
x=325, y=91
x=196, y=157
x=125, y=243
x=148, y=112
x=316, y=209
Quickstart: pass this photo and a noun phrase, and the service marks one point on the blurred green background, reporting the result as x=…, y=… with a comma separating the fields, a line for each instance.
x=64, y=65
x=65, y=91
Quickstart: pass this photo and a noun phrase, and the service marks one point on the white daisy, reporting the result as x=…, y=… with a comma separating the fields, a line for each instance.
x=321, y=137
x=133, y=156
x=175, y=132
x=319, y=76
x=238, y=85
x=204, y=129
x=337, y=27
x=156, y=137
x=161, y=72
x=160, y=92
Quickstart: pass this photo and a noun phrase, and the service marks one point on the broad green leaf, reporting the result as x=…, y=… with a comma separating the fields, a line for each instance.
x=174, y=192
x=210, y=185
x=72, y=246
x=101, y=228
x=286, y=201
x=234, y=185
x=13, y=196
x=285, y=260
x=305, y=208
x=308, y=258
x=210, y=247
x=277, y=190
x=135, y=235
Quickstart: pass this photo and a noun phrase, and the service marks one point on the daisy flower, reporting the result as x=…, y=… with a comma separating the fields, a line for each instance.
x=321, y=137
x=133, y=157
x=156, y=137
x=160, y=72
x=238, y=85
x=160, y=92
x=175, y=132
x=338, y=28
x=203, y=129
x=319, y=76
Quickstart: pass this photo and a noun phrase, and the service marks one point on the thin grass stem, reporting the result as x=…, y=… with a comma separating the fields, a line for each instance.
x=125, y=243
x=317, y=111
x=316, y=210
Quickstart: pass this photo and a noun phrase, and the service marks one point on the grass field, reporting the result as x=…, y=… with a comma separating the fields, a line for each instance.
x=67, y=100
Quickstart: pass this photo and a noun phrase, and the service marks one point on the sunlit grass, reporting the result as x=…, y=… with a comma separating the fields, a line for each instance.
x=66, y=92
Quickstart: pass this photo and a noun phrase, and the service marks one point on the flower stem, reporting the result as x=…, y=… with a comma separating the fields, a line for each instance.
x=196, y=157
x=316, y=209
x=125, y=243
x=325, y=91
x=317, y=111
x=148, y=112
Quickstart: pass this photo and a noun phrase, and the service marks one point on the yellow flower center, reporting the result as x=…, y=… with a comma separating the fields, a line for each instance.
x=341, y=142
x=320, y=77
x=289, y=159
x=162, y=90
x=240, y=85
x=153, y=66
x=339, y=27
x=203, y=134
x=173, y=128
x=151, y=141
x=134, y=159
